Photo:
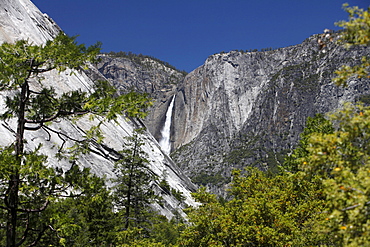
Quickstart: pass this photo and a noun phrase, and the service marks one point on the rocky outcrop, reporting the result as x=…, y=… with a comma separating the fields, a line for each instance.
x=249, y=108
x=20, y=19
x=145, y=75
x=242, y=108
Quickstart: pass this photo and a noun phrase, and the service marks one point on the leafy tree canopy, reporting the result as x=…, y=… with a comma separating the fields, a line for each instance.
x=356, y=32
x=342, y=160
x=321, y=198
x=264, y=211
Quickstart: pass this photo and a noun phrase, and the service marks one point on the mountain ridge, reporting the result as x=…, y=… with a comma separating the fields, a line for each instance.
x=248, y=108
x=20, y=19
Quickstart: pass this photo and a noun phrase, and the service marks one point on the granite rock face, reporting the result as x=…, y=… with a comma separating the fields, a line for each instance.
x=243, y=109
x=145, y=75
x=20, y=19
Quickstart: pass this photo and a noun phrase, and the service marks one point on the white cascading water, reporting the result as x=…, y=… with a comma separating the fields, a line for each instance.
x=165, y=142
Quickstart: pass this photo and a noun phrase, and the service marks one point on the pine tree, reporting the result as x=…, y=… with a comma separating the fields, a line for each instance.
x=134, y=182
x=27, y=185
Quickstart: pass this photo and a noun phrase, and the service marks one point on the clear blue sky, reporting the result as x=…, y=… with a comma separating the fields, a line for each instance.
x=185, y=32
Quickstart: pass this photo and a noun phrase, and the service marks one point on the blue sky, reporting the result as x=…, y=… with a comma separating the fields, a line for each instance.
x=184, y=33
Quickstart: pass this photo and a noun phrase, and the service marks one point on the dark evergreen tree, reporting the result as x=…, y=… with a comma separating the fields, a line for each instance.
x=134, y=183
x=27, y=186
x=86, y=220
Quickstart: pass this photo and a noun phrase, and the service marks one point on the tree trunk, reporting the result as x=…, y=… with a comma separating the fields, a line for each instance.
x=128, y=202
x=130, y=187
x=13, y=189
x=12, y=210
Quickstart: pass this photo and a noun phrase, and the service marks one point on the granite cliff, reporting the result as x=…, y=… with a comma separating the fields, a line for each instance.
x=146, y=75
x=248, y=108
x=20, y=19
x=243, y=109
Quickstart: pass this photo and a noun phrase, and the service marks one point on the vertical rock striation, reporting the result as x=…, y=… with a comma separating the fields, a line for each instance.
x=242, y=108
x=145, y=75
x=20, y=19
x=249, y=108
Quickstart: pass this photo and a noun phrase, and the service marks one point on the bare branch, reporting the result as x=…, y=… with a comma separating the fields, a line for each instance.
x=60, y=134
x=33, y=128
x=35, y=210
x=47, y=131
x=35, y=242
x=25, y=233
x=354, y=206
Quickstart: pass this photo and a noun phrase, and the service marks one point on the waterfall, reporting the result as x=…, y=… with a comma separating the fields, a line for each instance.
x=165, y=142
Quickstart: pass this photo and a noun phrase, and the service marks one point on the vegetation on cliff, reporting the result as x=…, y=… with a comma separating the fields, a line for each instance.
x=141, y=59
x=320, y=197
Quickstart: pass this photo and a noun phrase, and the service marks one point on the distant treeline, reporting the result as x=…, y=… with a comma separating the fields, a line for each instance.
x=138, y=58
x=252, y=50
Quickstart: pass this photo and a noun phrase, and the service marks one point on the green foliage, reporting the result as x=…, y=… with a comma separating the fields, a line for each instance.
x=104, y=101
x=29, y=188
x=168, y=231
x=22, y=63
x=356, y=32
x=203, y=178
x=316, y=124
x=20, y=60
x=165, y=186
x=365, y=99
x=139, y=59
x=324, y=198
x=41, y=192
x=321, y=196
x=133, y=189
x=357, y=28
x=135, y=237
x=264, y=211
x=133, y=194
x=178, y=195
x=342, y=160
x=85, y=219
x=161, y=232
x=340, y=156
